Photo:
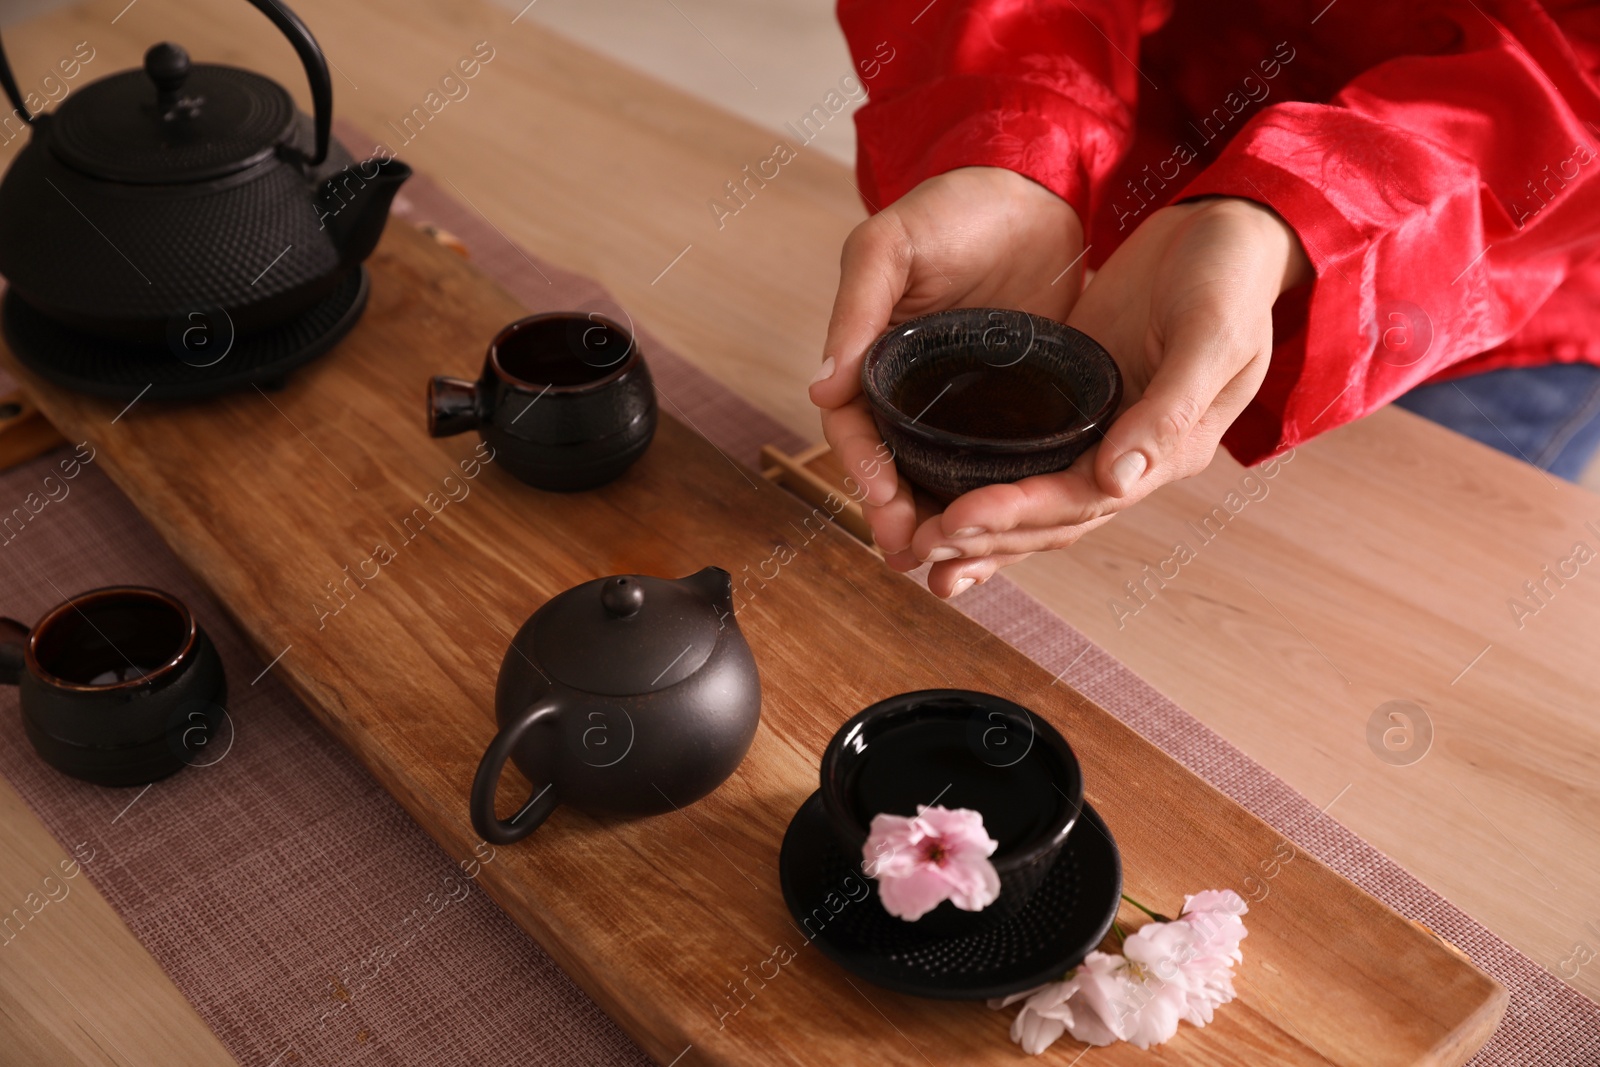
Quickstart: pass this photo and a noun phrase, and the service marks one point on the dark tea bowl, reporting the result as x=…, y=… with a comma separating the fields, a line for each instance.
x=959, y=749
x=119, y=686
x=565, y=400
x=977, y=396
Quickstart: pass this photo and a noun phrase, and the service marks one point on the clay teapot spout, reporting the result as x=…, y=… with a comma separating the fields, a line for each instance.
x=715, y=584
x=354, y=205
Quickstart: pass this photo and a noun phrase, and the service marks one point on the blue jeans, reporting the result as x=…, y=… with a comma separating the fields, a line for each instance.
x=1548, y=416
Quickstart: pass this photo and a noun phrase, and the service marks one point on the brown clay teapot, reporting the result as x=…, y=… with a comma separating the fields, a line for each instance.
x=623, y=696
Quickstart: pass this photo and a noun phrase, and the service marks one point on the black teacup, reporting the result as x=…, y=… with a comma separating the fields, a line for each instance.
x=565, y=400
x=974, y=396
x=956, y=748
x=119, y=686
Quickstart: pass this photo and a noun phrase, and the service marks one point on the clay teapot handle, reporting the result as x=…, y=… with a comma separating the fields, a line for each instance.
x=490, y=827
x=13, y=651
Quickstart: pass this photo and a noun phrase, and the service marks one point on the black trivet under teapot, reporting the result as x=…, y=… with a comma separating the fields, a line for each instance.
x=185, y=227
x=623, y=696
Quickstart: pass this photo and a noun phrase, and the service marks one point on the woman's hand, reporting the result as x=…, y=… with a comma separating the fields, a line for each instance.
x=973, y=237
x=1185, y=308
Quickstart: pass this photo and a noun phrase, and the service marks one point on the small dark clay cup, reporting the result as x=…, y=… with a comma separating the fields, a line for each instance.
x=565, y=400
x=975, y=751
x=119, y=686
x=949, y=464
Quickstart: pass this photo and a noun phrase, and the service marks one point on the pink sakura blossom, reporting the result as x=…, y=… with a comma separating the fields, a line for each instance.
x=1167, y=972
x=937, y=855
x=1216, y=918
x=1157, y=982
x=1079, y=1004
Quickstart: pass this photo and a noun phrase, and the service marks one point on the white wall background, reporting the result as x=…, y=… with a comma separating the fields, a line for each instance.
x=18, y=10
x=767, y=60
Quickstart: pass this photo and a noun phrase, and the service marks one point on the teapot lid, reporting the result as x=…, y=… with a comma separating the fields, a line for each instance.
x=172, y=121
x=625, y=635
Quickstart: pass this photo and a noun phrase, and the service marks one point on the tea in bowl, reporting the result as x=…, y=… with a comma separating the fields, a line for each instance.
x=956, y=749
x=974, y=396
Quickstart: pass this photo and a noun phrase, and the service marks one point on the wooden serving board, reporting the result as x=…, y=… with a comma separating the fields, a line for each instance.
x=270, y=497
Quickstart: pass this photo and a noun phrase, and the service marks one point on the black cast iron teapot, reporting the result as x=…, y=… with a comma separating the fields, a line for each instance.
x=623, y=696
x=149, y=195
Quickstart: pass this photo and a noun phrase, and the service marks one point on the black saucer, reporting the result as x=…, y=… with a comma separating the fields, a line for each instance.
x=99, y=367
x=1062, y=923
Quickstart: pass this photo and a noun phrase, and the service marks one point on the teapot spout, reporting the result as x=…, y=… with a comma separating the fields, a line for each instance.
x=354, y=205
x=716, y=585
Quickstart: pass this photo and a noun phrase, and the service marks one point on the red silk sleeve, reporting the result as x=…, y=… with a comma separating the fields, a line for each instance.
x=1041, y=88
x=1442, y=199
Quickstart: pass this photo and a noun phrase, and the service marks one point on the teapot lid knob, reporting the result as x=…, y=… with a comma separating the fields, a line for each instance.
x=167, y=65
x=622, y=597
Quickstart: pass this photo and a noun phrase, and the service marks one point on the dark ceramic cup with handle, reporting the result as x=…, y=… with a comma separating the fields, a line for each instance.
x=565, y=400
x=119, y=686
x=957, y=748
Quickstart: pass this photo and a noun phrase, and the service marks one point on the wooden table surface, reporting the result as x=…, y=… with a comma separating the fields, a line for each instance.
x=652, y=916
x=1378, y=567
x=75, y=985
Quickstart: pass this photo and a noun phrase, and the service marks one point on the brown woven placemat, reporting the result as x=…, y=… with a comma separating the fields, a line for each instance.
x=310, y=920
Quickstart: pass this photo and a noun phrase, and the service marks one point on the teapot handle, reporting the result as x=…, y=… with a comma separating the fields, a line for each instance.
x=538, y=807
x=316, y=65
x=290, y=26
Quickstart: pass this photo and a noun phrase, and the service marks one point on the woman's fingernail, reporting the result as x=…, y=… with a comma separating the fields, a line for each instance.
x=1127, y=469
x=943, y=552
x=824, y=372
x=962, y=585
x=968, y=531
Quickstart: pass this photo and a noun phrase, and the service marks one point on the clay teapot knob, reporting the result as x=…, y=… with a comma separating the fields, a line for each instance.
x=167, y=65
x=622, y=597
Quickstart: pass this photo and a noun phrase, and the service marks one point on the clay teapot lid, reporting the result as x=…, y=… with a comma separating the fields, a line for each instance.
x=630, y=633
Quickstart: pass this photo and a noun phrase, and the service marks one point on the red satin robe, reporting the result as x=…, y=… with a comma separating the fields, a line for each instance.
x=1439, y=160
